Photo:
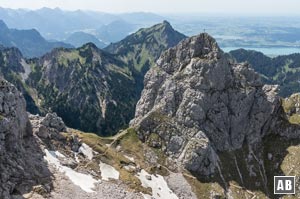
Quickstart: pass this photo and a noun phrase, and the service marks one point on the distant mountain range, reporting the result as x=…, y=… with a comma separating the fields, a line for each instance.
x=104, y=78
x=30, y=42
x=78, y=39
x=54, y=23
x=115, y=31
x=58, y=24
x=230, y=31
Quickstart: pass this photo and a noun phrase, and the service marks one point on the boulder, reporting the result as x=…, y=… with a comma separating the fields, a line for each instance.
x=53, y=121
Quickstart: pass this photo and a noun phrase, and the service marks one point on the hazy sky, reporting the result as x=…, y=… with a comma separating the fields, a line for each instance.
x=273, y=7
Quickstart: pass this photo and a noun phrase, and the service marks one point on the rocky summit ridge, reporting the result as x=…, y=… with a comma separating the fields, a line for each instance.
x=198, y=105
x=198, y=89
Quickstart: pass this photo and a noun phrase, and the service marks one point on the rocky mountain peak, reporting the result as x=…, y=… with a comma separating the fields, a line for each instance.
x=14, y=52
x=167, y=25
x=200, y=46
x=89, y=45
x=160, y=27
x=196, y=103
x=162, y=35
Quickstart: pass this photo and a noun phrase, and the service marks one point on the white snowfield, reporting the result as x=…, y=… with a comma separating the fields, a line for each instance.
x=87, y=151
x=160, y=188
x=108, y=172
x=84, y=181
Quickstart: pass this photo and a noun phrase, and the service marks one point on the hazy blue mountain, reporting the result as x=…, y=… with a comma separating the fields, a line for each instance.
x=30, y=42
x=115, y=31
x=229, y=31
x=77, y=39
x=57, y=24
x=146, y=18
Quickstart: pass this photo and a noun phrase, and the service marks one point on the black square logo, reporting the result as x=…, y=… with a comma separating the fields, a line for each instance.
x=284, y=184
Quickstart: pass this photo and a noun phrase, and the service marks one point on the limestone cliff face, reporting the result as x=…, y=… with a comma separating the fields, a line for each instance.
x=14, y=121
x=20, y=160
x=197, y=103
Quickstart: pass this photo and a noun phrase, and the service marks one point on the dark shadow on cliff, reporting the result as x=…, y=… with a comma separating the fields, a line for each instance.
x=254, y=168
x=28, y=171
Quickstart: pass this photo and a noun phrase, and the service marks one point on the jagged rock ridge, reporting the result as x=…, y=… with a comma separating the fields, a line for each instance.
x=197, y=106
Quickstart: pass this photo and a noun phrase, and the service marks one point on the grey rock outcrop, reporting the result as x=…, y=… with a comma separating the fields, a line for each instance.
x=48, y=126
x=20, y=158
x=14, y=124
x=196, y=102
x=53, y=121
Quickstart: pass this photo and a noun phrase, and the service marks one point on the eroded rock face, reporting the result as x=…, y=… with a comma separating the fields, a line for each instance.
x=199, y=103
x=20, y=161
x=14, y=124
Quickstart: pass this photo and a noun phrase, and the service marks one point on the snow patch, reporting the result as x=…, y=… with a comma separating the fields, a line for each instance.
x=160, y=188
x=84, y=181
x=76, y=157
x=108, y=172
x=129, y=167
x=86, y=151
x=58, y=154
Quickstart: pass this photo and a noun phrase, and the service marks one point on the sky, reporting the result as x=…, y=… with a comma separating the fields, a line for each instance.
x=263, y=7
